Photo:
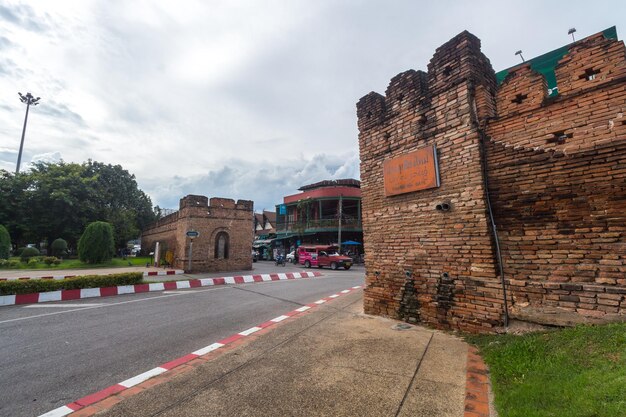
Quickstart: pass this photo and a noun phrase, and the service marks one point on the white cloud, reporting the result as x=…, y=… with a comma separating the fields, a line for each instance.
x=236, y=98
x=264, y=182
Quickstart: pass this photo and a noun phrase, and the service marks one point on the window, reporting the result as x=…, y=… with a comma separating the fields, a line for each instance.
x=221, y=245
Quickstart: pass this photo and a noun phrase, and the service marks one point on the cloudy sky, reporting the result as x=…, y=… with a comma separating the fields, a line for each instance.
x=240, y=99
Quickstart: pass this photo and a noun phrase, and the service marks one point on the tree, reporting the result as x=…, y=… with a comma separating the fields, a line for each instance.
x=58, y=248
x=5, y=243
x=60, y=199
x=97, y=244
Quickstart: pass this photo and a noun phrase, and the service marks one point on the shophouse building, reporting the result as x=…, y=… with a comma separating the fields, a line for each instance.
x=327, y=212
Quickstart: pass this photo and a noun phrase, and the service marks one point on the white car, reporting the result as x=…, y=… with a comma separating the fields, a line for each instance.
x=291, y=257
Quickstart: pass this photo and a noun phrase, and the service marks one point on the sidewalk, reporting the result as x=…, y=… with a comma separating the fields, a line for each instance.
x=330, y=361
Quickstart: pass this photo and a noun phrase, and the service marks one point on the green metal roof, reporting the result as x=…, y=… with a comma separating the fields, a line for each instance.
x=546, y=63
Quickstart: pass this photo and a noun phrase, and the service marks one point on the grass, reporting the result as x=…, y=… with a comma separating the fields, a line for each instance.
x=575, y=372
x=76, y=264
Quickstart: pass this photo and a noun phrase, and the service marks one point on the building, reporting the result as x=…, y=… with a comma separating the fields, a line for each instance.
x=327, y=212
x=223, y=241
x=488, y=198
x=264, y=233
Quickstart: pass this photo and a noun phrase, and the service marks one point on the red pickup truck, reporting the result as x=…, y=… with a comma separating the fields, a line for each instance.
x=322, y=256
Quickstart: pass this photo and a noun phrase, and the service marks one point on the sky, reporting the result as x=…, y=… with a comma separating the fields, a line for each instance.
x=237, y=99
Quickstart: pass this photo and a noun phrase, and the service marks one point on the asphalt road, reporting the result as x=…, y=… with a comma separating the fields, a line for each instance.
x=55, y=353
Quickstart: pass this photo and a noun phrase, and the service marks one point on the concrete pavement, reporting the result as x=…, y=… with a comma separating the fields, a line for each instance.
x=331, y=361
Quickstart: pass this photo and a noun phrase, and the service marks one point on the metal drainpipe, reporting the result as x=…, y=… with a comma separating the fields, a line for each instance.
x=483, y=139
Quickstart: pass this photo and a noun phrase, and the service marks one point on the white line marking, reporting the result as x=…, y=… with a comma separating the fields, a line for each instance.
x=131, y=382
x=357, y=287
x=279, y=319
x=156, y=286
x=345, y=291
x=250, y=331
x=208, y=349
x=62, y=305
x=58, y=412
x=320, y=301
x=205, y=282
x=248, y=278
x=333, y=296
x=229, y=280
x=103, y=305
x=303, y=308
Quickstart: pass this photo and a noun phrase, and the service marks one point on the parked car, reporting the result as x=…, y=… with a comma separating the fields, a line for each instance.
x=321, y=256
x=291, y=257
x=255, y=256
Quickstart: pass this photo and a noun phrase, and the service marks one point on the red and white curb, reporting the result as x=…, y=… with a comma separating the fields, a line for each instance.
x=138, y=379
x=145, y=274
x=64, y=295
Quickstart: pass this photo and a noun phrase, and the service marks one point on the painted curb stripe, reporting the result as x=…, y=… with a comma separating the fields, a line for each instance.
x=100, y=395
x=58, y=412
x=131, y=382
x=208, y=349
x=173, y=364
x=65, y=295
x=138, y=379
x=250, y=331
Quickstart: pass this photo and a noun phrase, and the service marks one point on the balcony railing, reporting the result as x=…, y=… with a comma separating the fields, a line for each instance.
x=318, y=225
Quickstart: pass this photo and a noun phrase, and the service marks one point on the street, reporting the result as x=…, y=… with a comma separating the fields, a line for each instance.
x=57, y=352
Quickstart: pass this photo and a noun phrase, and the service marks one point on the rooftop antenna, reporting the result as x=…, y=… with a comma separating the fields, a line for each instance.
x=571, y=31
x=520, y=54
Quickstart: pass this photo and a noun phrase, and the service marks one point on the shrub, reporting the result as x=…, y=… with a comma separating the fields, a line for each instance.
x=96, y=245
x=57, y=262
x=3, y=263
x=33, y=261
x=58, y=248
x=87, y=281
x=49, y=260
x=5, y=243
x=13, y=263
x=28, y=253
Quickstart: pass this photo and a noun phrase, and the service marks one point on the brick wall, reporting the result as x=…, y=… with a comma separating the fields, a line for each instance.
x=423, y=264
x=556, y=174
x=209, y=218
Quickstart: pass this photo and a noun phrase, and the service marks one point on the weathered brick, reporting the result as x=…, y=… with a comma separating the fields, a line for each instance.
x=209, y=218
x=556, y=171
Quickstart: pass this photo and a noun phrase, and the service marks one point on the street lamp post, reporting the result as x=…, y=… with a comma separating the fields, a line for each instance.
x=29, y=100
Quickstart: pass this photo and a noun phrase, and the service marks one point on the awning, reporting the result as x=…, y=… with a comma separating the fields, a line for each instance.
x=350, y=242
x=264, y=242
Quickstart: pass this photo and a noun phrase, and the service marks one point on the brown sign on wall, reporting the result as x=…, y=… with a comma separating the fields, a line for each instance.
x=414, y=171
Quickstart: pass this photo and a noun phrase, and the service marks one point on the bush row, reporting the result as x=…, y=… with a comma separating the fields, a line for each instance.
x=14, y=263
x=87, y=281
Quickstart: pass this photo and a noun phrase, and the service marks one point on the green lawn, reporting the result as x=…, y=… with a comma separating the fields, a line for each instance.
x=76, y=264
x=576, y=372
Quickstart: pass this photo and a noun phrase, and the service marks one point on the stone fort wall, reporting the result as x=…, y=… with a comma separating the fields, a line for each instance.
x=209, y=218
x=553, y=169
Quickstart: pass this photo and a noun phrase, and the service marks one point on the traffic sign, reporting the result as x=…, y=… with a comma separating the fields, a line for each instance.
x=193, y=233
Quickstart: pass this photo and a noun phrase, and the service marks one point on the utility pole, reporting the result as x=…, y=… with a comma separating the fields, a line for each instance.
x=340, y=216
x=29, y=100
